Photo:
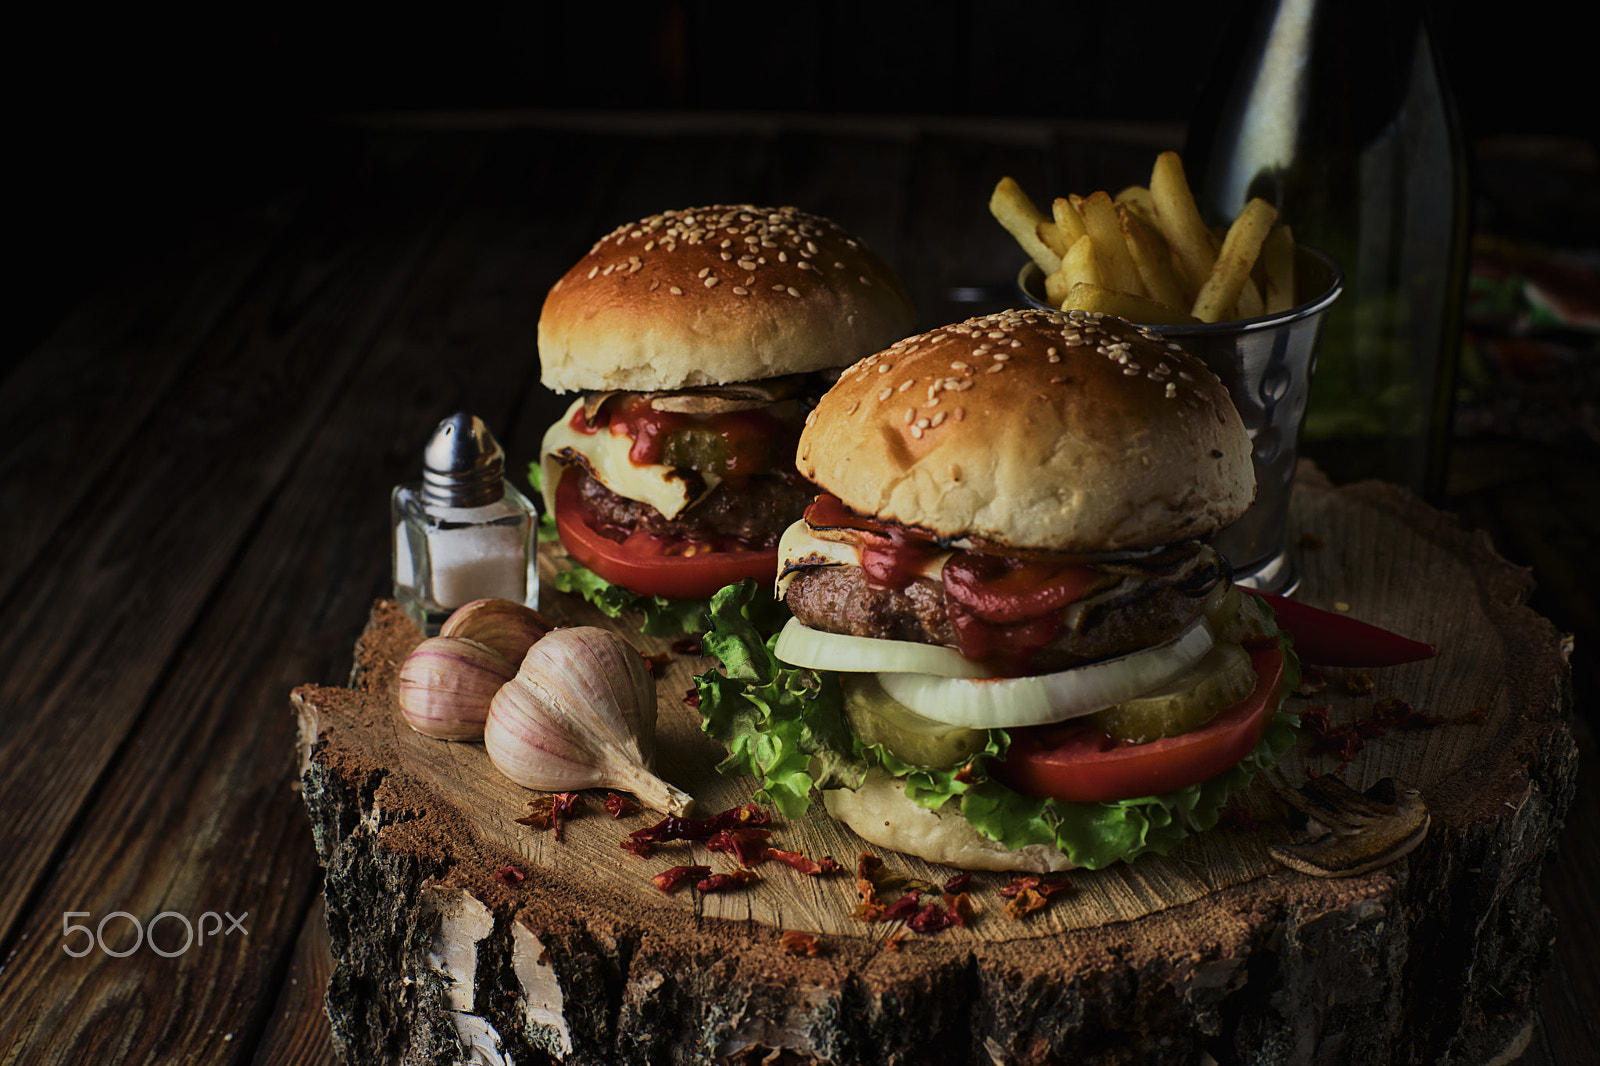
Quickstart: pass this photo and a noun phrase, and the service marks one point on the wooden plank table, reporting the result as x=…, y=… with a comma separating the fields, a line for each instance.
x=193, y=494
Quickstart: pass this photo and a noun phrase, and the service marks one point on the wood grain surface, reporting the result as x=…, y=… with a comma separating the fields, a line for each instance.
x=1497, y=775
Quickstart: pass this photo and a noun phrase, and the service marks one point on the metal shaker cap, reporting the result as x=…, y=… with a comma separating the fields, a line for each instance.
x=463, y=465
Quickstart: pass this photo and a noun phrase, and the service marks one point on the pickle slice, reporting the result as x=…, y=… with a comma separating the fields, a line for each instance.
x=878, y=718
x=697, y=448
x=1187, y=702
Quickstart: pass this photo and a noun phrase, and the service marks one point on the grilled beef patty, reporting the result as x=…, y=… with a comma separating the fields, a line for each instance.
x=841, y=599
x=758, y=512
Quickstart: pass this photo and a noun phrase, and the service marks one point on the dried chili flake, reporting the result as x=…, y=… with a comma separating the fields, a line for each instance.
x=640, y=848
x=748, y=846
x=727, y=882
x=933, y=918
x=674, y=878
x=620, y=806
x=892, y=941
x=673, y=827
x=691, y=697
x=1317, y=718
x=1359, y=683
x=901, y=909
x=801, y=944
x=1312, y=681
x=1027, y=893
x=509, y=875
x=810, y=867
x=958, y=883
x=686, y=646
x=657, y=663
x=1478, y=714
x=551, y=811
x=1400, y=715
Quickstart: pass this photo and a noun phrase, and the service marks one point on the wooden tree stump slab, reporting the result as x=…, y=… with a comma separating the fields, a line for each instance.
x=460, y=935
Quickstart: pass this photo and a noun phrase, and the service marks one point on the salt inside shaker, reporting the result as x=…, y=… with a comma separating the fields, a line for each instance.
x=463, y=532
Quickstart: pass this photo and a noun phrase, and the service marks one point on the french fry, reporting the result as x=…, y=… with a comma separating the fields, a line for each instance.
x=1180, y=221
x=1021, y=217
x=1147, y=255
x=1137, y=198
x=1140, y=309
x=1050, y=236
x=1152, y=257
x=1249, y=304
x=1277, y=264
x=1231, y=271
x=1116, y=263
x=1080, y=264
x=1068, y=221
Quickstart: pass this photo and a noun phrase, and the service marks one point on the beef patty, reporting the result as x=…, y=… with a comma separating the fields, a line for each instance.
x=1136, y=614
x=758, y=512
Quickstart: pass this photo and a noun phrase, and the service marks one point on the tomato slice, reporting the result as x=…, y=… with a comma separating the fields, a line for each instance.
x=1080, y=764
x=674, y=567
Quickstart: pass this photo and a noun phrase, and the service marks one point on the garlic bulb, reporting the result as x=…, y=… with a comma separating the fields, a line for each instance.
x=581, y=713
x=509, y=627
x=446, y=685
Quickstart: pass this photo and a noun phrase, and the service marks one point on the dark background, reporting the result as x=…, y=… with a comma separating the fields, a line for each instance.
x=136, y=118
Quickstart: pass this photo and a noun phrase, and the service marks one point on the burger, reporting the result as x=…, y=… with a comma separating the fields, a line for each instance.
x=696, y=342
x=1012, y=646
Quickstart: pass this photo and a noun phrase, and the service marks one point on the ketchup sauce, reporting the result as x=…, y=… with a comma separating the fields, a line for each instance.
x=1002, y=609
x=749, y=438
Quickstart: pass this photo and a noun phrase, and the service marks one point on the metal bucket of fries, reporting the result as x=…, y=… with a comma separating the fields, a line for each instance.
x=1267, y=364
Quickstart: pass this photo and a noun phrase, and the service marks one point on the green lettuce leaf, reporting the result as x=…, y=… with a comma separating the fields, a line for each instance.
x=785, y=726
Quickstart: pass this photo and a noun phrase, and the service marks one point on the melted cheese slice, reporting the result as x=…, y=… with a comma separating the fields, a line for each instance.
x=606, y=454
x=800, y=548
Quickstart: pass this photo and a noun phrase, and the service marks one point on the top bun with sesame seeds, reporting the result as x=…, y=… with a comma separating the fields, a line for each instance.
x=716, y=295
x=1035, y=429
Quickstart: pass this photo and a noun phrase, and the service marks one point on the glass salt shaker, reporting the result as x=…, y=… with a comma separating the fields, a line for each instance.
x=463, y=532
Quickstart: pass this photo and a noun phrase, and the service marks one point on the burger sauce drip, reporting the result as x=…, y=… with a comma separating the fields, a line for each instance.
x=890, y=555
x=1002, y=609
x=748, y=437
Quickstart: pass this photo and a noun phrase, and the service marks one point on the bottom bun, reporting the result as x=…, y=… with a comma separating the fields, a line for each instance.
x=880, y=813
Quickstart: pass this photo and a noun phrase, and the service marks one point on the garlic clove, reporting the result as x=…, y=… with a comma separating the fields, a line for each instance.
x=509, y=627
x=446, y=685
x=580, y=713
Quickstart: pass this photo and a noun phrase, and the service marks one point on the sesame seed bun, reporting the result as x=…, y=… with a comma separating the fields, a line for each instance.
x=1035, y=429
x=715, y=295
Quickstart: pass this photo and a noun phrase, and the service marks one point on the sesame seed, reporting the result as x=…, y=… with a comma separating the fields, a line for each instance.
x=803, y=265
x=745, y=264
x=712, y=281
x=740, y=290
x=910, y=416
x=885, y=393
x=1050, y=350
x=883, y=368
x=594, y=270
x=958, y=414
x=906, y=384
x=655, y=283
x=1002, y=357
x=793, y=291
x=995, y=369
x=916, y=431
x=675, y=291
x=864, y=281
x=936, y=419
x=1172, y=390
x=703, y=272
x=726, y=256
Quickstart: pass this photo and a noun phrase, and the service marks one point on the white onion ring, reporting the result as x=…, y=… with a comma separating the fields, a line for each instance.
x=800, y=645
x=1003, y=702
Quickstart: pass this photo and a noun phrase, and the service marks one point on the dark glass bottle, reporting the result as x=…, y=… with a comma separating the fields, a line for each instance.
x=1339, y=113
